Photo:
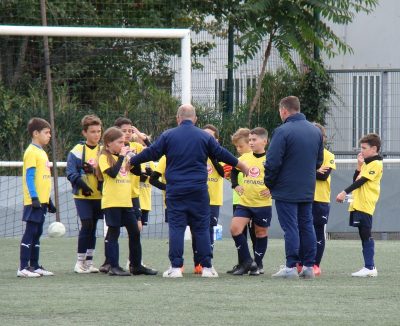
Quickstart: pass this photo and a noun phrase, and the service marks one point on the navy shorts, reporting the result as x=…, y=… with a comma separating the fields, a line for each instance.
x=136, y=208
x=89, y=209
x=320, y=212
x=214, y=214
x=36, y=215
x=260, y=216
x=362, y=219
x=119, y=216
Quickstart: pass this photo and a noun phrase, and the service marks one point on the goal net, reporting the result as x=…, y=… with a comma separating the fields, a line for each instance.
x=142, y=74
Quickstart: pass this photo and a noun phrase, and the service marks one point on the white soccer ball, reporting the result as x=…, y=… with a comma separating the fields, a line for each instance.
x=56, y=230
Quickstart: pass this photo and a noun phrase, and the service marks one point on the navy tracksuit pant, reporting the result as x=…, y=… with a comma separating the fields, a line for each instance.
x=189, y=209
x=296, y=221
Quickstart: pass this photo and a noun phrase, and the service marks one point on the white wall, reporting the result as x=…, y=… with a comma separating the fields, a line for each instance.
x=375, y=39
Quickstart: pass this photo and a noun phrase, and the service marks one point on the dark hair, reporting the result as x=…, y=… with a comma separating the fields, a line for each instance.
x=290, y=103
x=260, y=132
x=320, y=127
x=90, y=120
x=213, y=128
x=372, y=140
x=122, y=121
x=241, y=133
x=37, y=124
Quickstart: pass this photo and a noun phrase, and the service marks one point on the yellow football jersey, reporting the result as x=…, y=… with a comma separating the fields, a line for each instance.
x=215, y=185
x=323, y=188
x=145, y=188
x=253, y=184
x=160, y=168
x=116, y=191
x=235, y=195
x=136, y=148
x=91, y=157
x=366, y=196
x=35, y=157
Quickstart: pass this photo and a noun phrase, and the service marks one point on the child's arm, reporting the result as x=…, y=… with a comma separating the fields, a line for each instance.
x=30, y=182
x=113, y=171
x=218, y=167
x=234, y=178
x=154, y=181
x=74, y=175
x=323, y=173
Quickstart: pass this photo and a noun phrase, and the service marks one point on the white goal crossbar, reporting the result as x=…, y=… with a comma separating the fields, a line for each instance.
x=157, y=33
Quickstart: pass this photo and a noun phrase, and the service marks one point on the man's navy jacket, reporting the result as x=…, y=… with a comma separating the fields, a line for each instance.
x=294, y=155
x=186, y=148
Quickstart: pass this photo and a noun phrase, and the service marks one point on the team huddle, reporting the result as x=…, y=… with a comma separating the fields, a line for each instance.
x=114, y=180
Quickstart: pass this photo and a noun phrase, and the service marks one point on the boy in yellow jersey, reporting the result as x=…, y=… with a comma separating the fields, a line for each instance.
x=36, y=182
x=159, y=172
x=255, y=205
x=365, y=190
x=215, y=183
x=240, y=139
x=117, y=204
x=322, y=198
x=81, y=164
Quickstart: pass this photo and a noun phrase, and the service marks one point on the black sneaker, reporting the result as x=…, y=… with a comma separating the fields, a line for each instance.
x=234, y=268
x=142, y=270
x=254, y=270
x=105, y=268
x=244, y=268
x=118, y=271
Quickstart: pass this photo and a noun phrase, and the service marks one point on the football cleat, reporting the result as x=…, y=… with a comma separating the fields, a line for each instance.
x=307, y=273
x=27, y=273
x=365, y=272
x=286, y=272
x=43, y=272
x=317, y=270
x=118, y=271
x=90, y=267
x=209, y=272
x=105, y=268
x=173, y=272
x=142, y=270
x=234, y=268
x=80, y=268
x=198, y=269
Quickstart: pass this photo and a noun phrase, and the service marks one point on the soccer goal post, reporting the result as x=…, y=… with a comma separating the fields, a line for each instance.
x=150, y=33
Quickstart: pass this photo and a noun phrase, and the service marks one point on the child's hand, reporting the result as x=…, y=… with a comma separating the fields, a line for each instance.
x=341, y=197
x=265, y=193
x=140, y=135
x=36, y=202
x=323, y=169
x=124, y=150
x=239, y=190
x=360, y=161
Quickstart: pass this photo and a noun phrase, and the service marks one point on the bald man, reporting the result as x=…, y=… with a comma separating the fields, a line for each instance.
x=187, y=149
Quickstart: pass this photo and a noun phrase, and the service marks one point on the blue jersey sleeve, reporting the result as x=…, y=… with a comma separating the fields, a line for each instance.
x=30, y=182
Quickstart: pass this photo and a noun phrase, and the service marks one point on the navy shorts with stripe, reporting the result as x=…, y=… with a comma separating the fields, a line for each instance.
x=320, y=212
x=362, y=219
x=31, y=214
x=260, y=216
x=119, y=216
x=136, y=208
x=89, y=209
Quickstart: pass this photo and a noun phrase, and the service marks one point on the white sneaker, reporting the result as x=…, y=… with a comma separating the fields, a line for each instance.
x=43, y=272
x=173, y=272
x=365, y=272
x=286, y=272
x=26, y=273
x=80, y=268
x=88, y=265
x=209, y=272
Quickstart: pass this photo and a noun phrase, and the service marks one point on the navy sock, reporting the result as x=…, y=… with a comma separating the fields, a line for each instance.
x=27, y=243
x=242, y=248
x=260, y=249
x=368, y=253
x=113, y=253
x=320, y=234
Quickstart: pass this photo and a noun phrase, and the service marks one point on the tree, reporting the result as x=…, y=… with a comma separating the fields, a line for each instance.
x=290, y=26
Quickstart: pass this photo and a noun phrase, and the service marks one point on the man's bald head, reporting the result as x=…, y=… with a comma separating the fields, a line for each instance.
x=186, y=112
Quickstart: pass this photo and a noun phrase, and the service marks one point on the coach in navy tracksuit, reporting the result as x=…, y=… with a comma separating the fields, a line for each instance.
x=187, y=148
x=294, y=154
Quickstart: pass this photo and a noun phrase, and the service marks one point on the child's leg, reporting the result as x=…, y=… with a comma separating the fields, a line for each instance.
x=27, y=243
x=320, y=234
x=368, y=246
x=84, y=238
x=92, y=243
x=34, y=260
x=135, y=246
x=112, y=253
x=237, y=226
x=145, y=217
x=252, y=233
x=214, y=214
x=261, y=244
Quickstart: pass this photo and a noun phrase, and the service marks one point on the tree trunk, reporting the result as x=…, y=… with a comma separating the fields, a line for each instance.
x=257, y=96
x=21, y=62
